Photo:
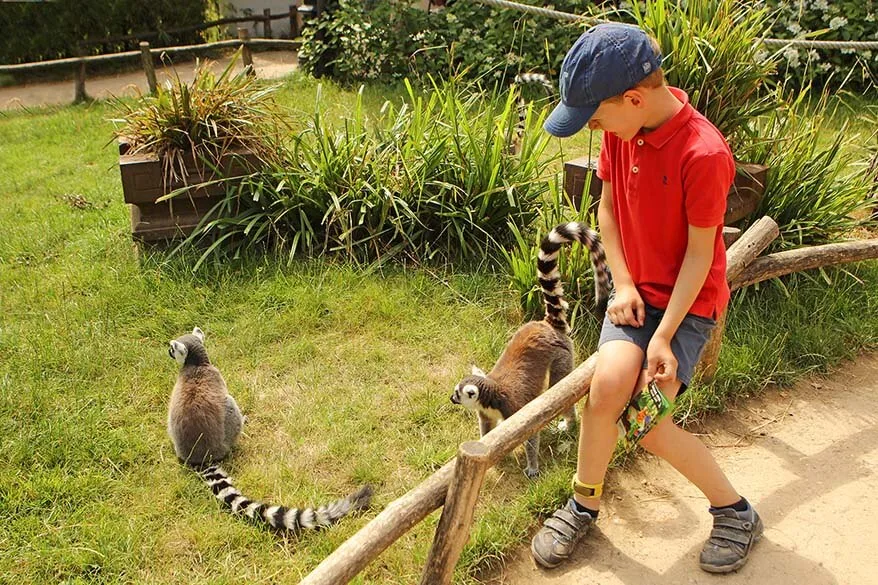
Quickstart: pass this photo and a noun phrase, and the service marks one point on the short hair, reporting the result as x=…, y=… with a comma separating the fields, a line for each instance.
x=651, y=81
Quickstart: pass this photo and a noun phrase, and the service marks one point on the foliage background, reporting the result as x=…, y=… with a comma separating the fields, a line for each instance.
x=496, y=44
x=36, y=31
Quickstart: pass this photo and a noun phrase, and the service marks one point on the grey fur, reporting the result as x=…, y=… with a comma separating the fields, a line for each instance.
x=204, y=422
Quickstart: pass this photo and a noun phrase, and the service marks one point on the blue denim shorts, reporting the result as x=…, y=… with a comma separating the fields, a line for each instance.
x=687, y=344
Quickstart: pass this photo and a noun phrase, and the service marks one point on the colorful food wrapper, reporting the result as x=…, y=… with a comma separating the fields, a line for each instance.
x=645, y=410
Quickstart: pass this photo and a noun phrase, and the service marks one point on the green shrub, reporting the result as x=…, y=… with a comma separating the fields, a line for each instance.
x=52, y=30
x=359, y=40
x=845, y=20
x=432, y=179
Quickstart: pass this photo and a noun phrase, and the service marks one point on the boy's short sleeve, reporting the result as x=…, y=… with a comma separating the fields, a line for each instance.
x=605, y=167
x=706, y=183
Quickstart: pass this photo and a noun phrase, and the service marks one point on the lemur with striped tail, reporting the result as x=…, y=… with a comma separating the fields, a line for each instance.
x=204, y=421
x=539, y=349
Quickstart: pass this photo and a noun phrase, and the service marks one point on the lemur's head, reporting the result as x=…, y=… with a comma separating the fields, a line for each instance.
x=189, y=348
x=467, y=391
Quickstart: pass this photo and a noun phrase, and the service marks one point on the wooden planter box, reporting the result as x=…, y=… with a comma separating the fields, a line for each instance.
x=744, y=196
x=143, y=184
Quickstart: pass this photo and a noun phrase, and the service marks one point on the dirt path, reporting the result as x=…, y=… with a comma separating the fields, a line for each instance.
x=806, y=457
x=270, y=64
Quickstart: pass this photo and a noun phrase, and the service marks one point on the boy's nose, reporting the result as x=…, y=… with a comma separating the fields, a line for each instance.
x=592, y=125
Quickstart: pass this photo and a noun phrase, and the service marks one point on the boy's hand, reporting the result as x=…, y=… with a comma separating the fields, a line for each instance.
x=627, y=307
x=661, y=365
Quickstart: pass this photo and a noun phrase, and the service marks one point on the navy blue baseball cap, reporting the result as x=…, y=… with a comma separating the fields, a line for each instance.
x=607, y=60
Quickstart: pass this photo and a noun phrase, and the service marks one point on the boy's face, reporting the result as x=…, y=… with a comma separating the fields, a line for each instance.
x=623, y=117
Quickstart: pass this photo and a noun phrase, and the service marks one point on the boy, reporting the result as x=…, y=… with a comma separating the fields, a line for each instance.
x=666, y=172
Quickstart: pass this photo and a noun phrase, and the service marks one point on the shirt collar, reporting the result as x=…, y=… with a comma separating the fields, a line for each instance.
x=660, y=136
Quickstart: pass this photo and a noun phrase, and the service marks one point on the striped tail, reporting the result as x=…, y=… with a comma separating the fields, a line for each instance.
x=521, y=80
x=550, y=276
x=280, y=517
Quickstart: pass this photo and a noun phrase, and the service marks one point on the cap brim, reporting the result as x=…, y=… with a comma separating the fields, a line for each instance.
x=566, y=121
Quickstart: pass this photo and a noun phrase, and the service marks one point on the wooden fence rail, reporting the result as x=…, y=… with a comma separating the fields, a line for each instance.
x=265, y=19
x=398, y=517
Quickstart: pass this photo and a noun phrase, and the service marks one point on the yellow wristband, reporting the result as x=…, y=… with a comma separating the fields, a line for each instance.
x=587, y=490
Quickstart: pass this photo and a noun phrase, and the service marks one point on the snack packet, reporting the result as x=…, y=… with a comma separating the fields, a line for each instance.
x=642, y=413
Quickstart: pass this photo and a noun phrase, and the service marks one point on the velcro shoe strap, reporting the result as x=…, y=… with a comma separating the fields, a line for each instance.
x=563, y=522
x=731, y=535
x=734, y=523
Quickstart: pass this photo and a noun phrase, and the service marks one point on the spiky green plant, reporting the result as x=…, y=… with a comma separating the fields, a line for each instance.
x=431, y=178
x=204, y=119
x=819, y=185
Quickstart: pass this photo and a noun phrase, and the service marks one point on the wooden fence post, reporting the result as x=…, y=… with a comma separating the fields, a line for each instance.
x=452, y=532
x=79, y=94
x=319, y=7
x=148, y=66
x=739, y=255
x=266, y=23
x=246, y=55
x=294, y=21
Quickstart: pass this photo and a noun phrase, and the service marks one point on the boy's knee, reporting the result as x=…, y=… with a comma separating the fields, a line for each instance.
x=610, y=391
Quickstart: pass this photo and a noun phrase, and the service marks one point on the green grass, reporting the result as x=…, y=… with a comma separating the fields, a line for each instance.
x=343, y=372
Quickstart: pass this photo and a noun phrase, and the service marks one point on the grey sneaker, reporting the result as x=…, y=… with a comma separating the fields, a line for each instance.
x=733, y=536
x=554, y=542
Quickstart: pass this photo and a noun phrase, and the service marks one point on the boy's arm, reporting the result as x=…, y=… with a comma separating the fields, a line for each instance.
x=693, y=272
x=628, y=307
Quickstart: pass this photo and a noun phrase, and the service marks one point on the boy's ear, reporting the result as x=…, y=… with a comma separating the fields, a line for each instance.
x=478, y=372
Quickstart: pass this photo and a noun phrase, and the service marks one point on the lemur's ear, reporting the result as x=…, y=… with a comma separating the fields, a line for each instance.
x=478, y=372
x=197, y=332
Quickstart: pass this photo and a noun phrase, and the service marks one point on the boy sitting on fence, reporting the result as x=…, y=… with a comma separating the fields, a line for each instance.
x=666, y=172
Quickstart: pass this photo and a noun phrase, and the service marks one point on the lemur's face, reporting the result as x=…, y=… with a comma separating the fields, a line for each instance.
x=466, y=393
x=178, y=348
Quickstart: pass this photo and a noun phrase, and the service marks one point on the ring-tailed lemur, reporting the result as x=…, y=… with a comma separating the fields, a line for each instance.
x=539, y=349
x=521, y=80
x=204, y=421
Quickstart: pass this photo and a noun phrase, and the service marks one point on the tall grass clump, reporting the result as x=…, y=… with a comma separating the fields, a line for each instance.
x=203, y=119
x=819, y=185
x=711, y=50
x=431, y=178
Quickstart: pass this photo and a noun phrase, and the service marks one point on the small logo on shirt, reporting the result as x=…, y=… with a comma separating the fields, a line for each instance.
x=664, y=179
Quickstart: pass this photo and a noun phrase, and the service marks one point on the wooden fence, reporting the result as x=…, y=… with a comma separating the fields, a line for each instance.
x=146, y=52
x=456, y=485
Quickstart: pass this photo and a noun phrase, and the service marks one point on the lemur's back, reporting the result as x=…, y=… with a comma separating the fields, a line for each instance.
x=197, y=415
x=524, y=365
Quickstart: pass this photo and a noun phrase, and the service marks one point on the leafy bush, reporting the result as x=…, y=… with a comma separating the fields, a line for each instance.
x=52, y=30
x=361, y=40
x=207, y=117
x=432, y=178
x=845, y=20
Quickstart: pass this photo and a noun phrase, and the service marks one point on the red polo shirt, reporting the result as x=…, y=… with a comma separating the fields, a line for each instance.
x=663, y=180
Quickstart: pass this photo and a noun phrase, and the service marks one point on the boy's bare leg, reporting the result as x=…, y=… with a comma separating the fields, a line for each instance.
x=617, y=371
x=618, y=367
x=688, y=455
